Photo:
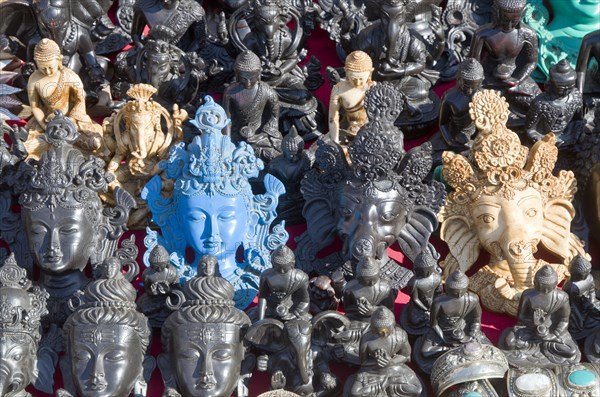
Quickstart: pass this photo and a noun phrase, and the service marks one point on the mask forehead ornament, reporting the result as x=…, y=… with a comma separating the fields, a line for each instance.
x=381, y=175
x=506, y=199
x=206, y=174
x=21, y=308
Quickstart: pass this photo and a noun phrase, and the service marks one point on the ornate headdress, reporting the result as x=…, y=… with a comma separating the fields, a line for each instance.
x=159, y=255
x=510, y=5
x=457, y=280
x=359, y=61
x=563, y=73
x=292, y=142
x=546, y=275
x=580, y=265
x=501, y=165
x=21, y=305
x=63, y=176
x=470, y=70
x=283, y=255
x=212, y=163
x=46, y=50
x=383, y=318
x=247, y=61
x=378, y=158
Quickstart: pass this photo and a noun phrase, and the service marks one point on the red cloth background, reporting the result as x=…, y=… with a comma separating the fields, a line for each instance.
x=323, y=48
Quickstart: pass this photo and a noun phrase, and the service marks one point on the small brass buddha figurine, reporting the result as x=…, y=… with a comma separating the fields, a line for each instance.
x=455, y=320
x=384, y=350
x=541, y=337
x=202, y=339
x=253, y=107
x=22, y=306
x=346, y=104
x=106, y=339
x=55, y=87
x=283, y=290
x=585, y=306
x=506, y=200
x=424, y=286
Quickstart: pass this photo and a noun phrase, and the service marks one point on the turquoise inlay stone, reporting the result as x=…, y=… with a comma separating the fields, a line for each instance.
x=582, y=378
x=472, y=394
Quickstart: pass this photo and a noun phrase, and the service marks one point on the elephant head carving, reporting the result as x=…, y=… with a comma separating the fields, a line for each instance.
x=508, y=202
x=380, y=194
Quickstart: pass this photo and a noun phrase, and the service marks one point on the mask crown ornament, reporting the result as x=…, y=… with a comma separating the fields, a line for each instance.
x=211, y=176
x=501, y=164
x=21, y=304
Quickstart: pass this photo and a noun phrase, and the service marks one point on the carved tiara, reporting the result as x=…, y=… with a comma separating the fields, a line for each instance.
x=62, y=173
x=212, y=163
x=21, y=305
x=500, y=165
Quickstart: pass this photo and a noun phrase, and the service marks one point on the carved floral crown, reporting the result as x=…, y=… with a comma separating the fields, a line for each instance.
x=21, y=305
x=62, y=174
x=212, y=163
x=378, y=159
x=500, y=165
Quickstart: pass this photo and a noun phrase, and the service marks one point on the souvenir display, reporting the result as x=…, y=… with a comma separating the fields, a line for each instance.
x=455, y=320
x=290, y=167
x=23, y=306
x=384, y=350
x=203, y=351
x=143, y=132
x=585, y=306
x=278, y=47
x=106, y=339
x=541, y=337
x=253, y=107
x=506, y=200
x=511, y=48
x=588, y=78
x=348, y=98
x=423, y=287
x=283, y=290
x=64, y=220
x=295, y=363
x=212, y=208
x=560, y=26
x=67, y=97
x=457, y=129
x=557, y=109
x=160, y=280
x=380, y=196
x=468, y=368
x=216, y=190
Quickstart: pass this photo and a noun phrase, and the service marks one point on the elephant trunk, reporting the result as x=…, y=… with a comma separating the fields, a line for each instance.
x=9, y=382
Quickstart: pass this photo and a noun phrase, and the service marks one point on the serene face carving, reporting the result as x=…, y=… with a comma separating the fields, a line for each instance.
x=213, y=225
x=49, y=67
x=60, y=239
x=468, y=87
x=207, y=359
x=17, y=361
x=248, y=79
x=358, y=79
x=106, y=360
x=509, y=20
x=369, y=225
x=563, y=89
x=510, y=229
